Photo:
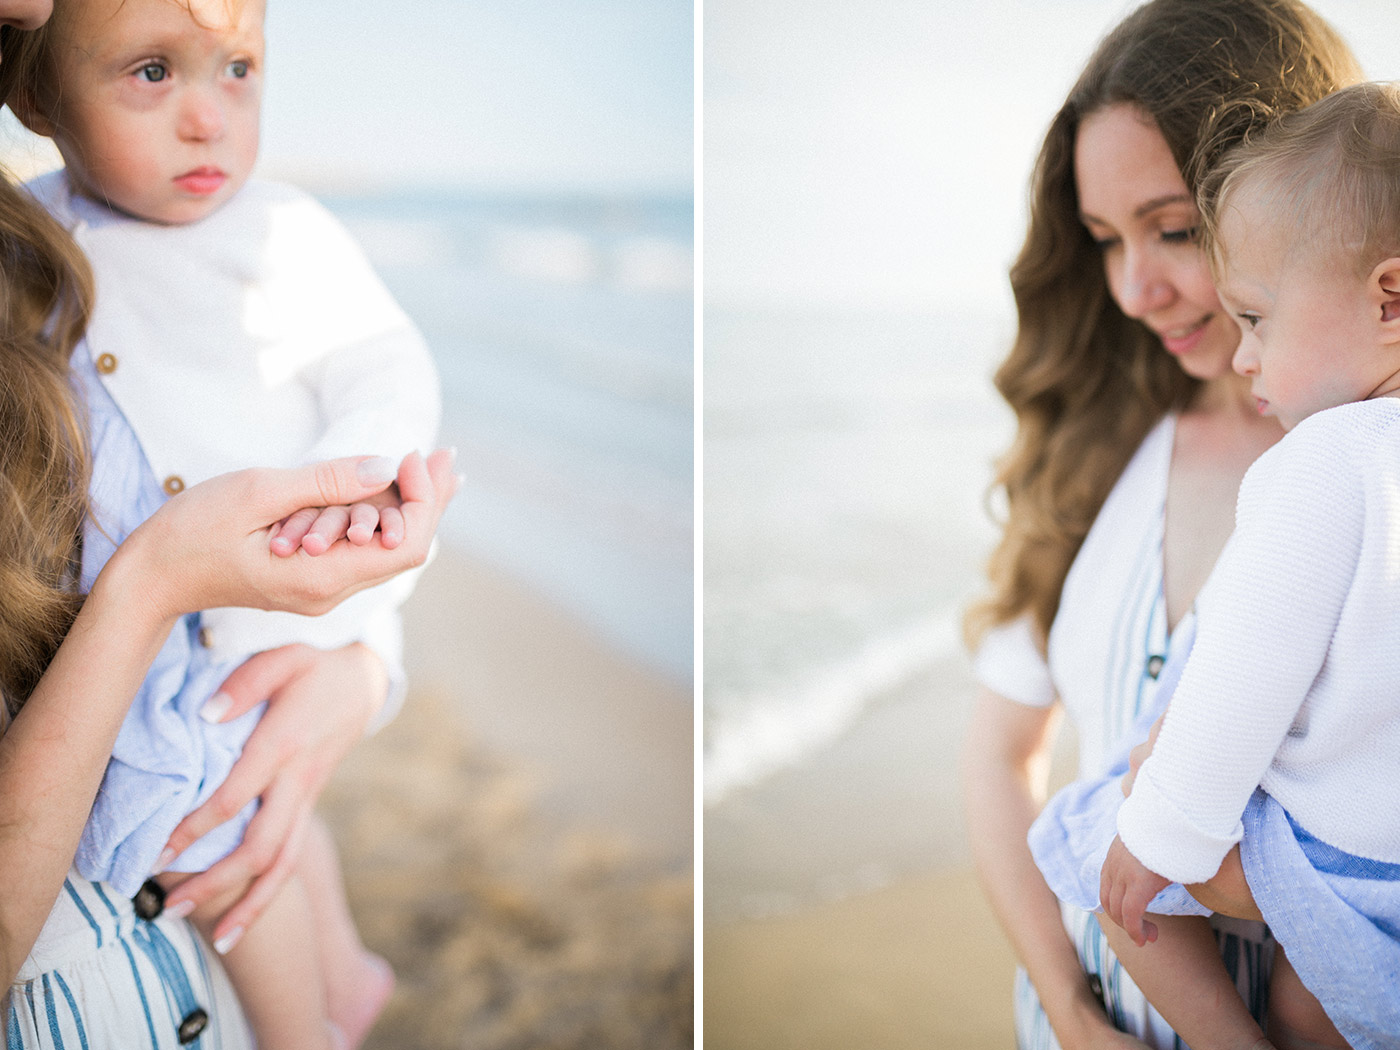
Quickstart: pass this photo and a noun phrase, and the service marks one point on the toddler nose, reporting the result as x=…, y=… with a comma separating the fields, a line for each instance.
x=202, y=117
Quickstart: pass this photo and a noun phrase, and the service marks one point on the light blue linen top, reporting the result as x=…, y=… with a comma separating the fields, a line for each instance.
x=167, y=760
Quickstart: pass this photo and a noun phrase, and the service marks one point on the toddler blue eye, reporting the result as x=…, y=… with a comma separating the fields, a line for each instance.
x=153, y=73
x=238, y=69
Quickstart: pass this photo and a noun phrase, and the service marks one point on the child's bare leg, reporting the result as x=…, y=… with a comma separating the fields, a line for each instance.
x=1182, y=975
x=274, y=967
x=1296, y=1019
x=358, y=982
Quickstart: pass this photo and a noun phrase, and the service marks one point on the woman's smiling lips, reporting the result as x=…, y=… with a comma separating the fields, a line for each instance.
x=1184, y=339
x=201, y=181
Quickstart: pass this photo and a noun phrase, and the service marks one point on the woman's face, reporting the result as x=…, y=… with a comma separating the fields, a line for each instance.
x=25, y=14
x=1135, y=204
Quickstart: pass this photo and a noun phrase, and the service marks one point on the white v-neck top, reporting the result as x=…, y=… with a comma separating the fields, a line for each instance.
x=1110, y=636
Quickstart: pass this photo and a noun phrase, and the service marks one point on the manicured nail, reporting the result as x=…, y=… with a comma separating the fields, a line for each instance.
x=215, y=708
x=228, y=940
x=163, y=861
x=377, y=471
x=179, y=911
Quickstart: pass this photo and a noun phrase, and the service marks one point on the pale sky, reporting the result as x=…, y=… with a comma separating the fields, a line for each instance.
x=876, y=155
x=557, y=95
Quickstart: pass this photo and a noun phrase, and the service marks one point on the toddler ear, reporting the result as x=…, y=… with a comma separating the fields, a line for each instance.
x=1385, y=288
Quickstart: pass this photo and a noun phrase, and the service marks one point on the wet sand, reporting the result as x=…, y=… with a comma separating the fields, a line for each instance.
x=518, y=842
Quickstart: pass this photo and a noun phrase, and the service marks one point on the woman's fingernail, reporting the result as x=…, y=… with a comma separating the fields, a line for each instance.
x=163, y=861
x=228, y=940
x=215, y=708
x=377, y=471
x=179, y=911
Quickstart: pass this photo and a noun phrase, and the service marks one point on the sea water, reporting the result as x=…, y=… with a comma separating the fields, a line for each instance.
x=847, y=459
x=563, y=330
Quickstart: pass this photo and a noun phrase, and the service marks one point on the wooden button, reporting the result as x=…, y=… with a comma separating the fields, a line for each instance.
x=173, y=485
x=206, y=637
x=106, y=364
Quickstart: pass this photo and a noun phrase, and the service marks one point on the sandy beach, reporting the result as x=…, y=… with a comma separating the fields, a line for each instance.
x=917, y=964
x=840, y=905
x=518, y=842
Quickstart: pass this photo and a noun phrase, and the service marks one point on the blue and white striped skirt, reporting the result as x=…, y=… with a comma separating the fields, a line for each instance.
x=100, y=978
x=1246, y=948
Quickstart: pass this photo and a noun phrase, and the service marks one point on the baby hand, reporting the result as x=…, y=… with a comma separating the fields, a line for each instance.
x=315, y=529
x=1126, y=888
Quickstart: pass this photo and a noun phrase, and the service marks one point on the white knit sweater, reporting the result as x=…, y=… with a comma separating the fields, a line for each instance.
x=1294, y=681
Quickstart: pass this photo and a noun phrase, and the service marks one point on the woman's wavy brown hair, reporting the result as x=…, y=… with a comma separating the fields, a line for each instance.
x=45, y=296
x=1087, y=382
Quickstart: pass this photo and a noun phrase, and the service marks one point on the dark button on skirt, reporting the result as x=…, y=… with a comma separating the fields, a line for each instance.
x=149, y=900
x=195, y=1022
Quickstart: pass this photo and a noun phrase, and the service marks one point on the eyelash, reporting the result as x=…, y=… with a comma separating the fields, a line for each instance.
x=1251, y=319
x=1187, y=236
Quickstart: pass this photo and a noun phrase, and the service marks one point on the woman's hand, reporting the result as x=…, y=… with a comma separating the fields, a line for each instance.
x=208, y=547
x=319, y=704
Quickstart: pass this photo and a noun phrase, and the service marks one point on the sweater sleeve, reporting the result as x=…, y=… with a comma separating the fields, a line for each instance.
x=1264, y=622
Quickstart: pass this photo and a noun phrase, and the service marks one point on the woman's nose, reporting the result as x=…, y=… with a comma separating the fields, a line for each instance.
x=1142, y=285
x=25, y=14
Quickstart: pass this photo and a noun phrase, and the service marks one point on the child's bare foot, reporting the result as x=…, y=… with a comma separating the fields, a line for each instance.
x=360, y=999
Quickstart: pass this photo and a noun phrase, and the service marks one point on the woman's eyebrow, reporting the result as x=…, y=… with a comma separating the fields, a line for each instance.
x=1144, y=209
x=1148, y=207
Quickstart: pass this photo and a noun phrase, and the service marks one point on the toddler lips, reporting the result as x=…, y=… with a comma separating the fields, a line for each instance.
x=201, y=181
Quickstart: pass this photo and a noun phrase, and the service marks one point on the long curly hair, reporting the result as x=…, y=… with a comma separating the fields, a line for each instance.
x=1087, y=382
x=45, y=297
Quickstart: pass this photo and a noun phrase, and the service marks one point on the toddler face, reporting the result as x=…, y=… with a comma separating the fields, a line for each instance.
x=159, y=102
x=1306, y=343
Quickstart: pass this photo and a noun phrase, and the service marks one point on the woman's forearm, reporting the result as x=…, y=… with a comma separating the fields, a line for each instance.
x=1005, y=767
x=53, y=755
